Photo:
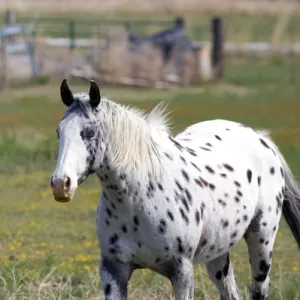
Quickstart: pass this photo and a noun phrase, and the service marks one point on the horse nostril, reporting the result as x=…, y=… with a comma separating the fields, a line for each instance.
x=51, y=182
x=67, y=182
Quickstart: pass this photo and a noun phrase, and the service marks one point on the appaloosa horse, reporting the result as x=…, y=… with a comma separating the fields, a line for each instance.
x=169, y=202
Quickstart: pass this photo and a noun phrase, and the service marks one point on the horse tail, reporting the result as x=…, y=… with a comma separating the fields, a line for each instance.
x=291, y=203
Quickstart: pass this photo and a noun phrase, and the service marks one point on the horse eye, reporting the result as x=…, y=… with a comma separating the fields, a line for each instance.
x=89, y=133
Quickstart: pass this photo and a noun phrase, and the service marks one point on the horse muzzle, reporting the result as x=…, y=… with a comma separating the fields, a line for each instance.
x=61, y=188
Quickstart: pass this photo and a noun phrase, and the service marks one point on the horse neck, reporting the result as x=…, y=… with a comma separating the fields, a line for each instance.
x=134, y=150
x=120, y=186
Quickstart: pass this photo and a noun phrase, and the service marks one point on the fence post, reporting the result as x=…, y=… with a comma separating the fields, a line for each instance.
x=72, y=34
x=218, y=46
x=10, y=19
x=4, y=75
x=33, y=38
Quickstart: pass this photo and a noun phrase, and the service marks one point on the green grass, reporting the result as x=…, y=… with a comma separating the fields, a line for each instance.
x=49, y=250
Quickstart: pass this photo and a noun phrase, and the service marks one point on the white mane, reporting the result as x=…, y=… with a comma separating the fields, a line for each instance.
x=135, y=136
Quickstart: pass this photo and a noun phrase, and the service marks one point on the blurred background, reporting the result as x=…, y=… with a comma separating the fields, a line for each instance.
x=236, y=60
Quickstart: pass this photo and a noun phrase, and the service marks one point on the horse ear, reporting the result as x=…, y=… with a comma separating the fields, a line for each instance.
x=94, y=94
x=65, y=93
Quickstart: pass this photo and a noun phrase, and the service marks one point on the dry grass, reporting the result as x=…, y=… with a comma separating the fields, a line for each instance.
x=167, y=6
x=17, y=285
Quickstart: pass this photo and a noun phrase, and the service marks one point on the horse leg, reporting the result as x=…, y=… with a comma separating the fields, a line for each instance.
x=221, y=273
x=260, y=238
x=182, y=279
x=114, y=277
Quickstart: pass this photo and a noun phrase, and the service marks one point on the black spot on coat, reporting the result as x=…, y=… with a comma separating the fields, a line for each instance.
x=249, y=175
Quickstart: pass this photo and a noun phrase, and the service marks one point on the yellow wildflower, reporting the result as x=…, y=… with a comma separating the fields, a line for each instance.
x=295, y=269
x=23, y=255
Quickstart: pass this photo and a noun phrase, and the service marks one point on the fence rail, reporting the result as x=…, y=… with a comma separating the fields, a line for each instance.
x=79, y=28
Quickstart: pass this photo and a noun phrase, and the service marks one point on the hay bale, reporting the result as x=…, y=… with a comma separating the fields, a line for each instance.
x=143, y=63
x=146, y=63
x=114, y=57
x=189, y=71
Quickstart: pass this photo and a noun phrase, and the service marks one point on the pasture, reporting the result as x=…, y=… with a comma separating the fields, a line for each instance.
x=49, y=250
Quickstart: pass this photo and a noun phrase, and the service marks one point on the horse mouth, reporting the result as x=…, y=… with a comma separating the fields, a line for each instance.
x=63, y=199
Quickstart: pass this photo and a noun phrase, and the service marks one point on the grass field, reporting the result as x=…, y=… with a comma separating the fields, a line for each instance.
x=49, y=250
